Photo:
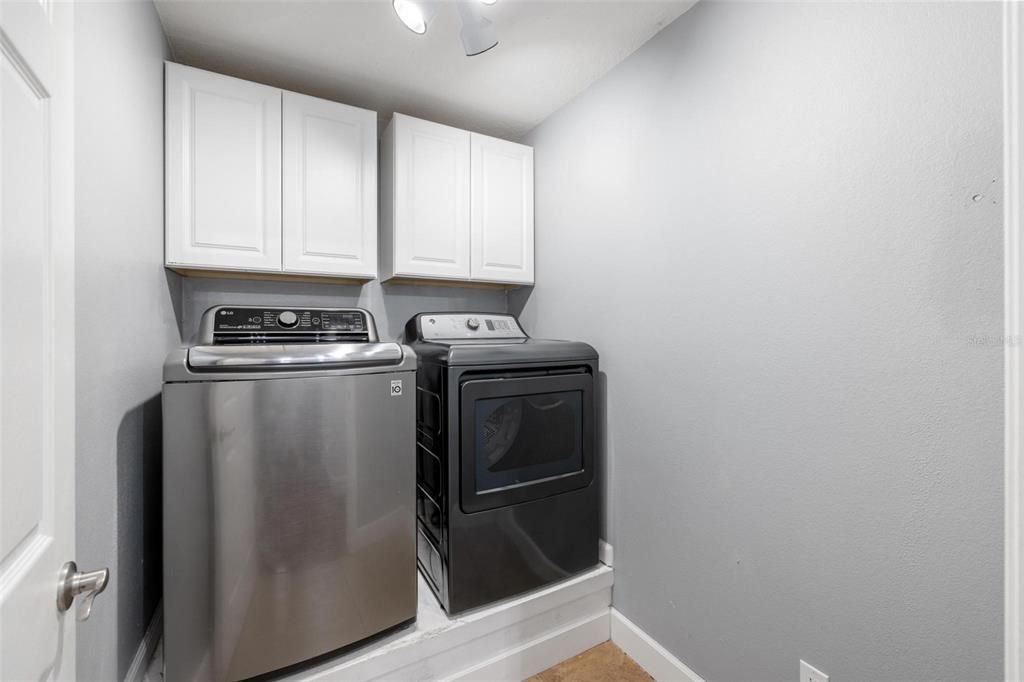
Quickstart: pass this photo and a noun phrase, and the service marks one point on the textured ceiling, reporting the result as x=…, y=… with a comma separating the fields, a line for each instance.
x=358, y=52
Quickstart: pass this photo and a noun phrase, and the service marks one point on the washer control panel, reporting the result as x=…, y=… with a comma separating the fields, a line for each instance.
x=230, y=319
x=469, y=326
x=256, y=324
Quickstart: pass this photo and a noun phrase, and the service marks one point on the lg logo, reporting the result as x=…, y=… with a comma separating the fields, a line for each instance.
x=396, y=388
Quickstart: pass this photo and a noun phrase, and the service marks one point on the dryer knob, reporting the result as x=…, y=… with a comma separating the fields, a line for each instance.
x=473, y=323
x=287, y=319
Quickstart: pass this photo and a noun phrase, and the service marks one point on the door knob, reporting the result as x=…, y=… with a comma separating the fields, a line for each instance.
x=73, y=583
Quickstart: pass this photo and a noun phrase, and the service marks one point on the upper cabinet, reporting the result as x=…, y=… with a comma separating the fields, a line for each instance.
x=223, y=179
x=426, y=166
x=268, y=182
x=501, y=212
x=265, y=181
x=455, y=205
x=330, y=187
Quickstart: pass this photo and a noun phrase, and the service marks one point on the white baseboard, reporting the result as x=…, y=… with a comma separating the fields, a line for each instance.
x=652, y=657
x=540, y=654
x=154, y=631
x=604, y=552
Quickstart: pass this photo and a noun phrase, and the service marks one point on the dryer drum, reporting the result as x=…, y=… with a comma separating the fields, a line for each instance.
x=526, y=431
x=500, y=431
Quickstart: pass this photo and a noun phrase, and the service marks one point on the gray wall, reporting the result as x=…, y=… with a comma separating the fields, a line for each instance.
x=124, y=323
x=793, y=213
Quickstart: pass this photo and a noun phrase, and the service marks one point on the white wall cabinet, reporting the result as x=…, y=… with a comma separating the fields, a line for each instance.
x=501, y=213
x=426, y=181
x=455, y=205
x=265, y=181
x=330, y=188
x=223, y=161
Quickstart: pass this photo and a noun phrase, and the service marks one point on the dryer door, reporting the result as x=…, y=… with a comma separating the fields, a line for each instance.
x=525, y=437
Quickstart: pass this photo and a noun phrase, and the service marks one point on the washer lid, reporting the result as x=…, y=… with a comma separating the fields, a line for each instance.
x=268, y=356
x=252, y=342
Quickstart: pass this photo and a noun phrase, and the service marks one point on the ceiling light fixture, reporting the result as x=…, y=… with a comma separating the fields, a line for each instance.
x=478, y=34
x=415, y=15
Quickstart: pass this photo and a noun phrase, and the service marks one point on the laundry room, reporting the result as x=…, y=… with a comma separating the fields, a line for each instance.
x=548, y=340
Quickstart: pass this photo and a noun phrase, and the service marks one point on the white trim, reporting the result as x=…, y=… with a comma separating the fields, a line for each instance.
x=545, y=626
x=652, y=657
x=147, y=647
x=541, y=653
x=1013, y=107
x=605, y=552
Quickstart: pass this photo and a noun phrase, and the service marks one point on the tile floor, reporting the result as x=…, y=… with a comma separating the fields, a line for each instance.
x=604, y=663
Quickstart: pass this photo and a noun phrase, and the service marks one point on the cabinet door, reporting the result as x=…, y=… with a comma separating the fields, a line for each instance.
x=330, y=188
x=431, y=199
x=502, y=211
x=223, y=160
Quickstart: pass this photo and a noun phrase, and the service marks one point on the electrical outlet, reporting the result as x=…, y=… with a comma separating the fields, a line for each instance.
x=808, y=673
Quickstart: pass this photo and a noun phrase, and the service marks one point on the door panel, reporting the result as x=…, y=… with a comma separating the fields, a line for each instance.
x=525, y=438
x=223, y=171
x=330, y=187
x=36, y=294
x=25, y=250
x=502, y=210
x=431, y=201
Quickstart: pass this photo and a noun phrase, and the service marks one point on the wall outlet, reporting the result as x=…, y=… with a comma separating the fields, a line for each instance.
x=808, y=673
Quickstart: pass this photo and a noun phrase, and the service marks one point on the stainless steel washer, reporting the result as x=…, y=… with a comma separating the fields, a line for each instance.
x=289, y=490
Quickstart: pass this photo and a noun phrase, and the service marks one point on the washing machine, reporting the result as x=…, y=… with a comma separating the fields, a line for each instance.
x=507, y=491
x=288, y=490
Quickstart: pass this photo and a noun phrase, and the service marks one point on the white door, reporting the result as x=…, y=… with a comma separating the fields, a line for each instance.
x=223, y=163
x=330, y=188
x=37, y=341
x=502, y=211
x=431, y=201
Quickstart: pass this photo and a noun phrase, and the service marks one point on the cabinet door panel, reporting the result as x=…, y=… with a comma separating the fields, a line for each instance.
x=502, y=211
x=330, y=188
x=223, y=171
x=431, y=202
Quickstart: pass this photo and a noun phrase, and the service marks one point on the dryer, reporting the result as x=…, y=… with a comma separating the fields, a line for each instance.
x=507, y=492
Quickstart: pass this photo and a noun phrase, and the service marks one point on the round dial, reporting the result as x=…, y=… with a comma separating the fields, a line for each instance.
x=287, y=319
x=473, y=323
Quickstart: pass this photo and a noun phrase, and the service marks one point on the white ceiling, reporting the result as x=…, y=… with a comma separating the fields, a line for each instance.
x=357, y=52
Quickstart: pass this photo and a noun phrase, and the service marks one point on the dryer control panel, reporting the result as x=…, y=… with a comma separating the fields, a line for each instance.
x=438, y=326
